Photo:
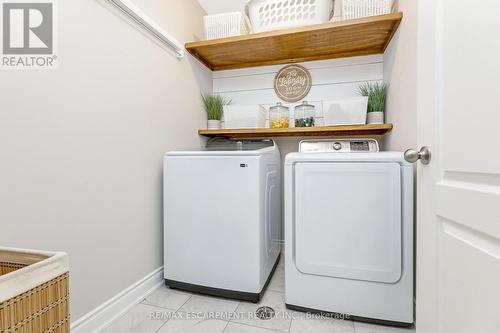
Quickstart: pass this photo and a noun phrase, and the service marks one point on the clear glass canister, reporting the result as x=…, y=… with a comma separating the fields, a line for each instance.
x=304, y=115
x=279, y=116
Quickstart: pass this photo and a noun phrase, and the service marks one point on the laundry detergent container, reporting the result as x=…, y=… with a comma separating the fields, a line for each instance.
x=34, y=291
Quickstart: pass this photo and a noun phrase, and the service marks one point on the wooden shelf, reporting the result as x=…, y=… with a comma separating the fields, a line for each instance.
x=365, y=36
x=306, y=131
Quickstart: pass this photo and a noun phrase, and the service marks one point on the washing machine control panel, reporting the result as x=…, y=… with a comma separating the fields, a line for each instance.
x=339, y=146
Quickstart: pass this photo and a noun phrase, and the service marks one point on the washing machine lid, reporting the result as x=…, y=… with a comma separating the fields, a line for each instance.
x=347, y=219
x=231, y=147
x=220, y=144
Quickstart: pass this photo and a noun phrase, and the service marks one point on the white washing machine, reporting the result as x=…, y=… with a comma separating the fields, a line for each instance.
x=349, y=231
x=222, y=218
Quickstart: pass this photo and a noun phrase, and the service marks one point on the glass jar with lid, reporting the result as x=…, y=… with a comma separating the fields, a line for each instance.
x=279, y=116
x=304, y=115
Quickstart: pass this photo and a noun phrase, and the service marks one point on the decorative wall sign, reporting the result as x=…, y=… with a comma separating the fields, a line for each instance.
x=292, y=83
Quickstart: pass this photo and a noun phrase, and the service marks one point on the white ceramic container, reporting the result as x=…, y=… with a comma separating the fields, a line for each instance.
x=375, y=118
x=213, y=124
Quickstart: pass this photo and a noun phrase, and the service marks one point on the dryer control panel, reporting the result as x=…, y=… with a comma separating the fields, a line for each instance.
x=339, y=146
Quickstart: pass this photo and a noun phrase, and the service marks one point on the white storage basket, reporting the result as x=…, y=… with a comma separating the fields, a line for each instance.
x=267, y=15
x=345, y=112
x=225, y=25
x=352, y=9
x=244, y=116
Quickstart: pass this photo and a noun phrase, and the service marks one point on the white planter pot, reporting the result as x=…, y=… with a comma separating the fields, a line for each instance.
x=213, y=124
x=375, y=118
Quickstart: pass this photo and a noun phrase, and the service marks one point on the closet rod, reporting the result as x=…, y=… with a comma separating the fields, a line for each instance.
x=149, y=25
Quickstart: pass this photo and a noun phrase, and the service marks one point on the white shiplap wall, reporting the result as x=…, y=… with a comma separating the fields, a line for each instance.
x=332, y=79
x=338, y=78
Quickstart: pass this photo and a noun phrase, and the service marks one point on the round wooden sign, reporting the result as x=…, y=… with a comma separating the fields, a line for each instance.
x=292, y=83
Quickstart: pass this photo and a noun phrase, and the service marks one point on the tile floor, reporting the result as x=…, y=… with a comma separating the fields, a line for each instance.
x=166, y=310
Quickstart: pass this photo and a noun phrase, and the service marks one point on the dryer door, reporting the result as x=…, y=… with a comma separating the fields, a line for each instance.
x=347, y=221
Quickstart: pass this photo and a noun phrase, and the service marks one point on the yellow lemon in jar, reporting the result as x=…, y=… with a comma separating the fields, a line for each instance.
x=281, y=122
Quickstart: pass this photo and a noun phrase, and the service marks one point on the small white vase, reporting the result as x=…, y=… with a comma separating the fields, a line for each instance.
x=213, y=124
x=375, y=118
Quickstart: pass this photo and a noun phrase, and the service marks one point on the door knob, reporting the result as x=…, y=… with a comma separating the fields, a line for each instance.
x=424, y=155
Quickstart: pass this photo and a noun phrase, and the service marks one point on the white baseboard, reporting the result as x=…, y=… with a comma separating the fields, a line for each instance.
x=110, y=310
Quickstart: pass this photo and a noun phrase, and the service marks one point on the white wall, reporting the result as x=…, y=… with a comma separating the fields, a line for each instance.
x=400, y=71
x=81, y=146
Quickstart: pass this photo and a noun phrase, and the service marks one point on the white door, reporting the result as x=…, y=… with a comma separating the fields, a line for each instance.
x=458, y=223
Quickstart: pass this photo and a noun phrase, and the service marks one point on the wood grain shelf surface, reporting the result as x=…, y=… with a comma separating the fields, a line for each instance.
x=364, y=36
x=347, y=130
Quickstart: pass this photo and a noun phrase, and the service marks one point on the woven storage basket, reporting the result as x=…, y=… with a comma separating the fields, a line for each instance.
x=34, y=291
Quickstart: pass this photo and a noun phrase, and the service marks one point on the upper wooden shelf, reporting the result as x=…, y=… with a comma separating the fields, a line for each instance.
x=365, y=36
x=346, y=130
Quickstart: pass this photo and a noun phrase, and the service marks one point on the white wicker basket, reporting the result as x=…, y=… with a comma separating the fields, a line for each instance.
x=352, y=9
x=267, y=15
x=225, y=25
x=244, y=116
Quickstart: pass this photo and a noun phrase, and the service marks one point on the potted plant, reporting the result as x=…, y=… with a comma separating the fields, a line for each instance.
x=214, y=106
x=376, y=93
